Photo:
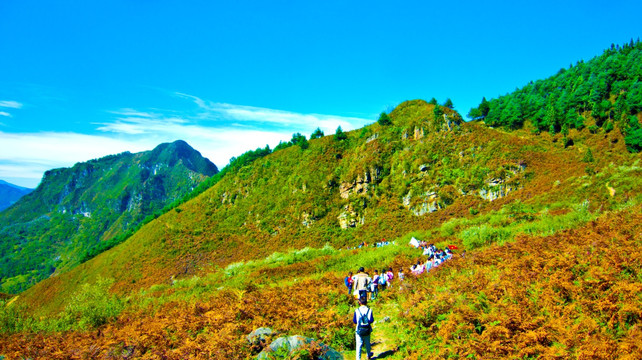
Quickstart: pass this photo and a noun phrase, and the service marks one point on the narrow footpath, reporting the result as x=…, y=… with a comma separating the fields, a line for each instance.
x=383, y=339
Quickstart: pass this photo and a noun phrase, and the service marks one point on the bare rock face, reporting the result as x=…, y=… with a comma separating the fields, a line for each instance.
x=425, y=203
x=349, y=218
x=361, y=184
x=307, y=219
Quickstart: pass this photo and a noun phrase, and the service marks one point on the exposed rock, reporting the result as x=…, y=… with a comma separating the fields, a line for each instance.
x=290, y=344
x=361, y=184
x=426, y=203
x=260, y=334
x=372, y=138
x=349, y=218
x=419, y=133
x=497, y=191
x=499, y=187
x=308, y=219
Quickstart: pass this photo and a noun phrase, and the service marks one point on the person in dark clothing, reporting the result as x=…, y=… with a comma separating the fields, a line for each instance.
x=348, y=281
x=363, y=319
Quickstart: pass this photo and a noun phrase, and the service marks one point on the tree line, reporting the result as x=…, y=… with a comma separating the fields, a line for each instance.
x=608, y=89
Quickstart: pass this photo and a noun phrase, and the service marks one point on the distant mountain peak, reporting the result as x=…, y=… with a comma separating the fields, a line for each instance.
x=172, y=152
x=76, y=209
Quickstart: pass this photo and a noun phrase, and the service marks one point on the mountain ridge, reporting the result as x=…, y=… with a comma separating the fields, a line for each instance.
x=83, y=206
x=10, y=194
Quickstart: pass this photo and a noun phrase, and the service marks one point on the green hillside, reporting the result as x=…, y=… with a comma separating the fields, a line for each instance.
x=77, y=212
x=547, y=264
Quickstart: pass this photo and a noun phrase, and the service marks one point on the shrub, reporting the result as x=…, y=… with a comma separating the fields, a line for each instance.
x=478, y=236
x=92, y=305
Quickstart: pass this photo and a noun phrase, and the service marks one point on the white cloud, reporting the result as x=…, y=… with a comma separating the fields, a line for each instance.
x=218, y=131
x=3, y=113
x=262, y=117
x=29, y=155
x=10, y=104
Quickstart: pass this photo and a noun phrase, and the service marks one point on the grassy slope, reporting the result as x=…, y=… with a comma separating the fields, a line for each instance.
x=563, y=296
x=208, y=234
x=259, y=210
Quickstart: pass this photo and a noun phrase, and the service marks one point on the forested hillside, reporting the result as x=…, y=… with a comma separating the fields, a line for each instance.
x=75, y=213
x=603, y=94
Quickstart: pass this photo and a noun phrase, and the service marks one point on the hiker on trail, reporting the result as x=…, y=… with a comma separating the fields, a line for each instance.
x=383, y=280
x=390, y=274
x=419, y=268
x=348, y=282
x=400, y=274
x=429, y=263
x=374, y=287
x=360, y=283
x=363, y=319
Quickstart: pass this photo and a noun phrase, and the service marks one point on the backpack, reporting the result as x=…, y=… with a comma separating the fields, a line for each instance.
x=382, y=280
x=363, y=327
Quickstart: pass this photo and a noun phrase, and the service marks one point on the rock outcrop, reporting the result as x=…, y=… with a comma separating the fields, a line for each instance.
x=286, y=346
x=361, y=184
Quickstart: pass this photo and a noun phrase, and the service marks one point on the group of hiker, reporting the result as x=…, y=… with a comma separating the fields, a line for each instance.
x=364, y=244
x=365, y=287
x=362, y=286
x=435, y=257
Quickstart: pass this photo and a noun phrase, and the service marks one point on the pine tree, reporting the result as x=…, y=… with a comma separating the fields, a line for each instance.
x=318, y=133
x=384, y=119
x=340, y=135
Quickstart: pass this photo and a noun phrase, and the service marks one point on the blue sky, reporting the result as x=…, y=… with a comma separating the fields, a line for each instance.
x=84, y=79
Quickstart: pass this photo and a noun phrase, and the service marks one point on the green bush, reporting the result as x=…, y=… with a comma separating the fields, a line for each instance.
x=93, y=305
x=478, y=236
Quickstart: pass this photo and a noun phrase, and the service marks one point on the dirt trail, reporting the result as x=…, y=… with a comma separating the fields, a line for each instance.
x=384, y=343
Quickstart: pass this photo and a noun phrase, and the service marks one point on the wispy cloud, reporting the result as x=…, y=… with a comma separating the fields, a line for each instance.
x=26, y=156
x=265, y=117
x=219, y=131
x=10, y=104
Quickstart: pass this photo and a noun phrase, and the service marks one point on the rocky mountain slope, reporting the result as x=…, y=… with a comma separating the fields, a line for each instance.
x=74, y=211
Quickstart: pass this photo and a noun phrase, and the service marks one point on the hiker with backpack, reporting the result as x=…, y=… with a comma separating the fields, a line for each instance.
x=363, y=320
